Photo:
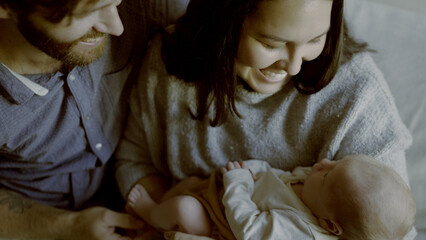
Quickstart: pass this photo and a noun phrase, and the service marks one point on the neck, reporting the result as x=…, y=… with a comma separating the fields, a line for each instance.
x=19, y=55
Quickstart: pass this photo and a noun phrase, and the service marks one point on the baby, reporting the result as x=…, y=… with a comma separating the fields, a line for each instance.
x=356, y=197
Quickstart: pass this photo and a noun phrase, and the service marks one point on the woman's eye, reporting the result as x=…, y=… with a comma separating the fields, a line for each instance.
x=268, y=46
x=316, y=40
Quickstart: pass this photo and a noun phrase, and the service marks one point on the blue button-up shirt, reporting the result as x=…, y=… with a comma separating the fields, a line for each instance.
x=54, y=146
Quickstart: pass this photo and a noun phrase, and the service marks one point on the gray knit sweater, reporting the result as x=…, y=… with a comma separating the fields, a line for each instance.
x=355, y=113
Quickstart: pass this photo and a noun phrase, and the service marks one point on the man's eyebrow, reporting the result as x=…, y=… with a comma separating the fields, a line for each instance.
x=279, y=39
x=94, y=9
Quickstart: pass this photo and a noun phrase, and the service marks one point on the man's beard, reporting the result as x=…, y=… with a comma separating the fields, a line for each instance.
x=65, y=52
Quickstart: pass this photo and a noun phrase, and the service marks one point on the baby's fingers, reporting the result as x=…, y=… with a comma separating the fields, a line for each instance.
x=244, y=165
x=233, y=165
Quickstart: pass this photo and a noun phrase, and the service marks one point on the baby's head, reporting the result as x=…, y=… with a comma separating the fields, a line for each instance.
x=359, y=197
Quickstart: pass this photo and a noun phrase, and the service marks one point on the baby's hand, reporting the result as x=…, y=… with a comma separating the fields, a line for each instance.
x=236, y=165
x=232, y=166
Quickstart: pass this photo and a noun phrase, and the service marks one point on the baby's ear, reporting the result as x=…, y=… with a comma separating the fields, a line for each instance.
x=331, y=226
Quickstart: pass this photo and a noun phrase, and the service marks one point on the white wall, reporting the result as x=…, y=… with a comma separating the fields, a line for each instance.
x=412, y=5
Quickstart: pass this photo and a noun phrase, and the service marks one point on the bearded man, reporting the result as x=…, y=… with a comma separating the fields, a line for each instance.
x=65, y=71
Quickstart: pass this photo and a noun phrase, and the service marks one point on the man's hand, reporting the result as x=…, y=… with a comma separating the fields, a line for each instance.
x=100, y=223
x=23, y=218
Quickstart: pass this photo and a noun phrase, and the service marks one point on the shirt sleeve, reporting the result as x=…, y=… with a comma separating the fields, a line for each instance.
x=247, y=221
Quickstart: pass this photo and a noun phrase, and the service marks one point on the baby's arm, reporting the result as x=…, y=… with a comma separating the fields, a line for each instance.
x=237, y=165
x=246, y=220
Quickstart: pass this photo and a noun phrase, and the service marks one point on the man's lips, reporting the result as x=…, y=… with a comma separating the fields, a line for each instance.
x=92, y=42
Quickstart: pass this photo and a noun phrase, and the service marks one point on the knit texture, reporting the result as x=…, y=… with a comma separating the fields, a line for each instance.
x=354, y=114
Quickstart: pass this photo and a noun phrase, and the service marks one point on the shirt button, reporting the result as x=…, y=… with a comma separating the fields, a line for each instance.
x=71, y=77
x=87, y=117
x=98, y=146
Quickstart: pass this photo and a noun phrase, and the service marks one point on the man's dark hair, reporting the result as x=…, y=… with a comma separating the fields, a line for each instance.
x=53, y=10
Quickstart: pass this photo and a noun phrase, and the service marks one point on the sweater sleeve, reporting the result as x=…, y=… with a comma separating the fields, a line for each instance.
x=133, y=159
x=134, y=153
x=247, y=221
x=372, y=125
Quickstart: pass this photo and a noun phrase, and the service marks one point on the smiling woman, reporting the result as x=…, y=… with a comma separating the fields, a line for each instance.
x=306, y=29
x=281, y=81
x=274, y=42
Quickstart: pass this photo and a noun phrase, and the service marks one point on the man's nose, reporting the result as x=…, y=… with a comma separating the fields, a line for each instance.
x=110, y=22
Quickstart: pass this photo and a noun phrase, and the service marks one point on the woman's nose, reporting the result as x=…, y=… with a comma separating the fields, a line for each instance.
x=293, y=59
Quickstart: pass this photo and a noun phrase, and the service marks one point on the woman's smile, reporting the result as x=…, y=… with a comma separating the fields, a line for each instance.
x=272, y=76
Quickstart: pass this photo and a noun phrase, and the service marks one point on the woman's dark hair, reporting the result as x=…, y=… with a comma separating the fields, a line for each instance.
x=203, y=48
x=53, y=10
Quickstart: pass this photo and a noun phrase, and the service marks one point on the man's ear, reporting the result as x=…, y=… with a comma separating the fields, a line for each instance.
x=331, y=226
x=4, y=12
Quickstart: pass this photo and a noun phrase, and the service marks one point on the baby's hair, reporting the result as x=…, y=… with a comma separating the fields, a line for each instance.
x=381, y=207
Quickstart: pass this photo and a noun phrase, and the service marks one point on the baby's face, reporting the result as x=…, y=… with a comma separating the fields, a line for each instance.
x=317, y=191
x=356, y=183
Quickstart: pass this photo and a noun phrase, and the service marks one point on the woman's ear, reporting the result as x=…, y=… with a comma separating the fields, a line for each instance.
x=331, y=226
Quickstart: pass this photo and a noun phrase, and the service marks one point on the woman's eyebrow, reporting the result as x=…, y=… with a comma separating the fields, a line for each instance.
x=279, y=39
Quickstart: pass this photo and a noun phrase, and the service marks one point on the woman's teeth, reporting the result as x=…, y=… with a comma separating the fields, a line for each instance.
x=274, y=76
x=92, y=39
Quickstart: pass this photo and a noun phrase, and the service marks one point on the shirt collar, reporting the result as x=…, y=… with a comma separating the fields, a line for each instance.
x=18, y=88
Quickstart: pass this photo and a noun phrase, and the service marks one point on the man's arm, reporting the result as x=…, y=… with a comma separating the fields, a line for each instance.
x=25, y=219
